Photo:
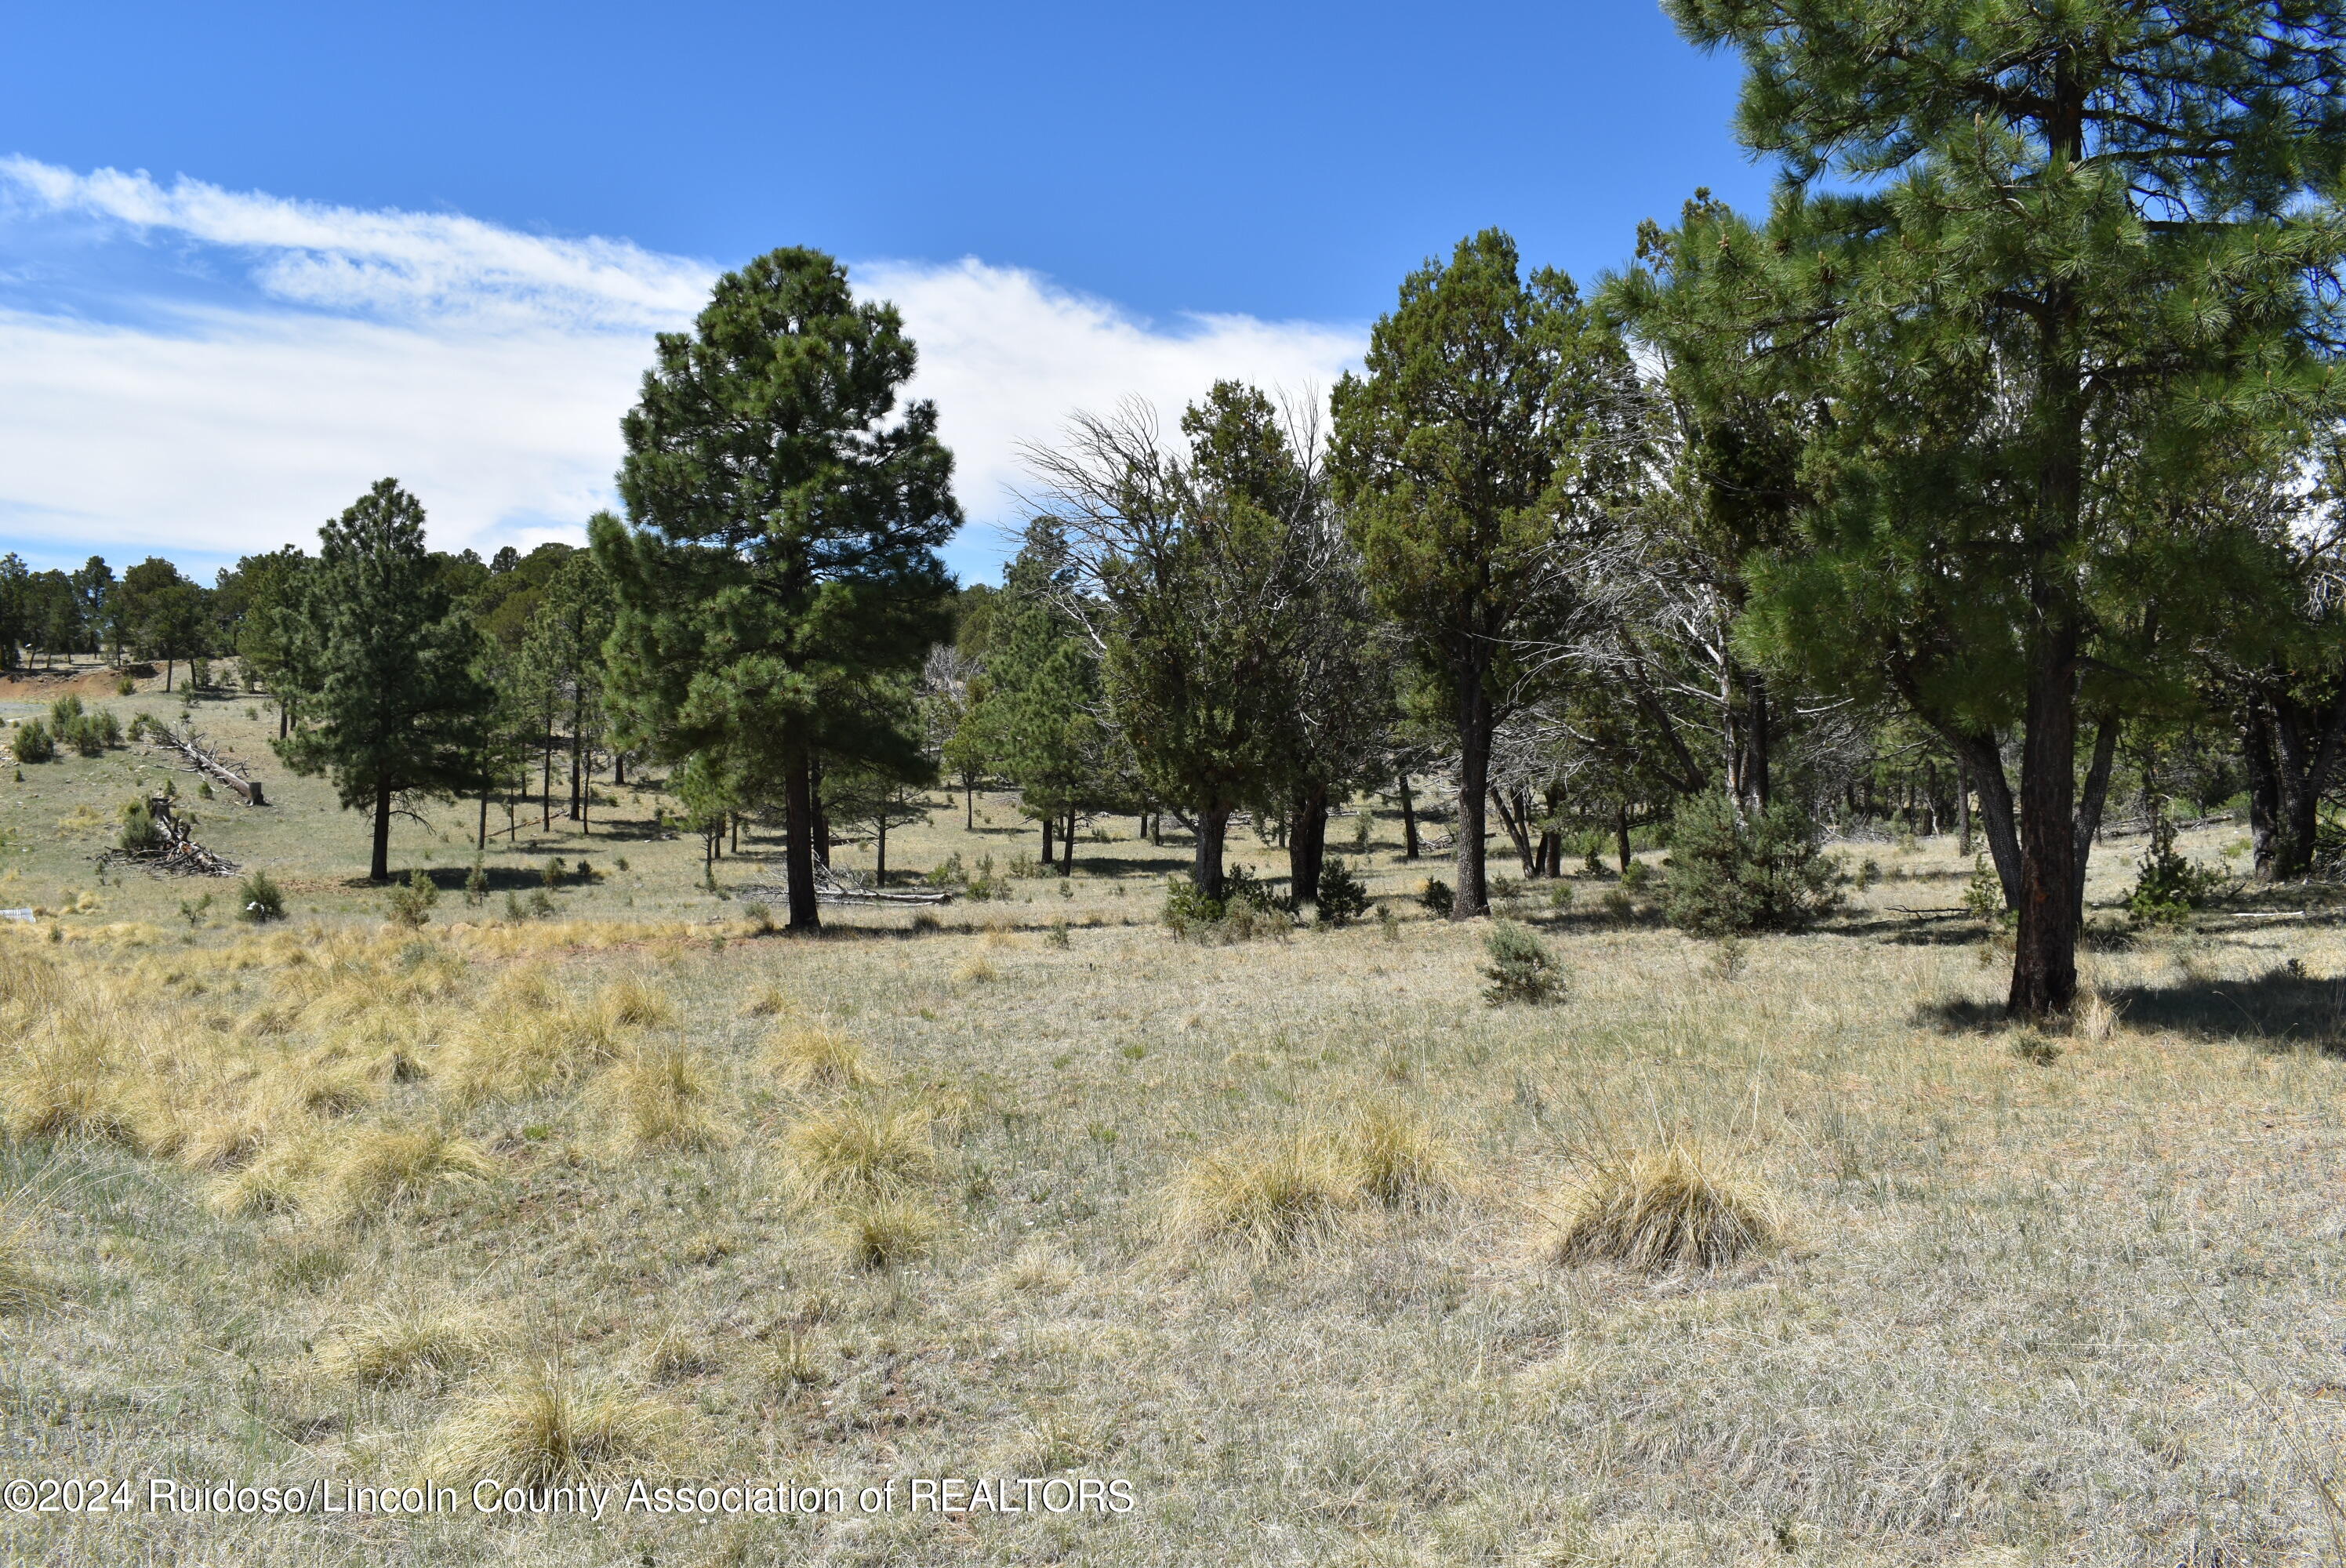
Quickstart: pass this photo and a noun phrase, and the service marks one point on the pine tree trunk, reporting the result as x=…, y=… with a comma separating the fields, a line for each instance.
x=1067, y=846
x=1621, y=835
x=578, y=764
x=1472, y=899
x=2089, y=810
x=481, y=840
x=1050, y=827
x=880, y=858
x=2264, y=792
x=168, y=664
x=1514, y=821
x=968, y=806
x=821, y=818
x=1408, y=821
x=1962, y=810
x=1205, y=864
x=1756, y=742
x=798, y=848
x=2044, y=959
x=379, y=868
x=1307, y=844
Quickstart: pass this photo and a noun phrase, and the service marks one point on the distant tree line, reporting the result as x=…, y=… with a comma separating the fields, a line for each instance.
x=1989, y=484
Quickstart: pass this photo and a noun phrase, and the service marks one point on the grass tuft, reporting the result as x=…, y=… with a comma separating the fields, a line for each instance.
x=379, y=1168
x=1656, y=1209
x=802, y=1055
x=22, y=1286
x=852, y=1152
x=660, y=1097
x=1397, y=1158
x=540, y=1427
x=882, y=1230
x=1269, y=1200
x=418, y=1345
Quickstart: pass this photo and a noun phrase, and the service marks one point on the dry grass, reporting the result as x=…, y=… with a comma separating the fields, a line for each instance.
x=662, y=1096
x=1660, y=1208
x=1397, y=1159
x=883, y=1231
x=374, y=1169
x=539, y=1427
x=23, y=1284
x=805, y=1056
x=632, y=1005
x=413, y=1343
x=860, y=1152
x=1268, y=1199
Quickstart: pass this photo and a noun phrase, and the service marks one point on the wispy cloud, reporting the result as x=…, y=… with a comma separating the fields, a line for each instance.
x=248, y=363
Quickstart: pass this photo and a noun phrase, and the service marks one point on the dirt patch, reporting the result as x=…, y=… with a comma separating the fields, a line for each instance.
x=44, y=685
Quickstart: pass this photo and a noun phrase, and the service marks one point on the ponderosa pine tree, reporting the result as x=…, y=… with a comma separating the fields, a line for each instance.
x=1488, y=433
x=2073, y=245
x=786, y=513
x=1038, y=719
x=392, y=705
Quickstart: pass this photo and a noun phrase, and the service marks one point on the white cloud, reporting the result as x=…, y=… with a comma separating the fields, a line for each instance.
x=485, y=367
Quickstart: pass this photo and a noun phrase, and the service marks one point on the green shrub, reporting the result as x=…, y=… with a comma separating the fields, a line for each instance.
x=109, y=728
x=476, y=883
x=1559, y=896
x=948, y=872
x=2168, y=887
x=1343, y=898
x=140, y=834
x=126, y=687
x=1247, y=908
x=1437, y=897
x=64, y=711
x=1636, y=876
x=259, y=900
x=34, y=743
x=412, y=901
x=1727, y=876
x=1521, y=969
x=1983, y=895
x=84, y=736
x=554, y=872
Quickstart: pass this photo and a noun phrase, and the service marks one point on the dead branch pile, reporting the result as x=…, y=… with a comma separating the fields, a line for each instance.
x=204, y=757
x=175, y=852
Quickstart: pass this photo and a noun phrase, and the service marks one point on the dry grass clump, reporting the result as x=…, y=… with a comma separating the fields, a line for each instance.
x=632, y=1005
x=976, y=971
x=805, y=1056
x=883, y=1231
x=1267, y=1199
x=659, y=1097
x=378, y=1167
x=513, y=1051
x=276, y=1181
x=769, y=1003
x=22, y=1284
x=856, y=1151
x=1397, y=1158
x=539, y=1427
x=2096, y=1020
x=419, y=1344
x=795, y=1361
x=1656, y=1208
x=67, y=1087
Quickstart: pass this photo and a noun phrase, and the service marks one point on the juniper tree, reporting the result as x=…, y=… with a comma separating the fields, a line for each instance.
x=784, y=515
x=1477, y=451
x=391, y=706
x=2067, y=245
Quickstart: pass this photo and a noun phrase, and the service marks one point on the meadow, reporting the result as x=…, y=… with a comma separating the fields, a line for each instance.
x=618, y=1182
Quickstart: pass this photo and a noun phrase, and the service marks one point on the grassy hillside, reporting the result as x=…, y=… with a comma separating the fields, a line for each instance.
x=1269, y=1230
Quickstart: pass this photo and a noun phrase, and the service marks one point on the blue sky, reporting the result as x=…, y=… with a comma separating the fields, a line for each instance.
x=433, y=240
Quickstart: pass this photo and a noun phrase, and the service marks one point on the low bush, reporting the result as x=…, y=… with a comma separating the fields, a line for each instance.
x=1343, y=898
x=2168, y=886
x=34, y=742
x=1437, y=898
x=412, y=901
x=1246, y=909
x=65, y=712
x=1521, y=968
x=140, y=834
x=1725, y=875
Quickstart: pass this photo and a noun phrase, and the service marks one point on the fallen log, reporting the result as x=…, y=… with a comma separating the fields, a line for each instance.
x=832, y=887
x=206, y=760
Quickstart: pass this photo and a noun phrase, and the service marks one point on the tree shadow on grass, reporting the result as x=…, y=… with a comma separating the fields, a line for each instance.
x=2280, y=1009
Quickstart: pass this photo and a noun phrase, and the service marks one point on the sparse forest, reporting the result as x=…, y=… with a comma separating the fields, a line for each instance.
x=1698, y=916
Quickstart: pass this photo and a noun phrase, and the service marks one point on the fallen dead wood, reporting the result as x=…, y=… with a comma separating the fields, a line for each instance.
x=835, y=887
x=205, y=759
x=174, y=851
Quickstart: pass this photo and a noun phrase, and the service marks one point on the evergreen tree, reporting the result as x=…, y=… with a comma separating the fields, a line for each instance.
x=786, y=515
x=2074, y=246
x=161, y=613
x=1486, y=434
x=1038, y=717
x=392, y=705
